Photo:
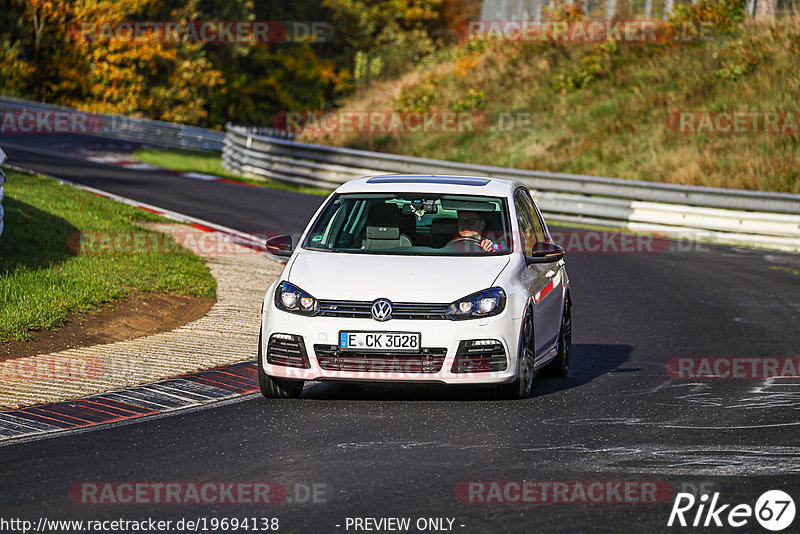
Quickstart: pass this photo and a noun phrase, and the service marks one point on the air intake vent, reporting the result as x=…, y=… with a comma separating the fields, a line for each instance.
x=480, y=356
x=428, y=361
x=287, y=350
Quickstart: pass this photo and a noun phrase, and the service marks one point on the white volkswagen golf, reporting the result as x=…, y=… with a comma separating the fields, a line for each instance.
x=447, y=279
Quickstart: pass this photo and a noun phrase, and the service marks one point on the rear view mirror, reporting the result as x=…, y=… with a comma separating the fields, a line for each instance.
x=420, y=208
x=280, y=245
x=545, y=252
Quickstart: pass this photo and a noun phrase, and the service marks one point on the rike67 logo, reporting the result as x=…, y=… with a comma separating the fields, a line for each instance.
x=774, y=510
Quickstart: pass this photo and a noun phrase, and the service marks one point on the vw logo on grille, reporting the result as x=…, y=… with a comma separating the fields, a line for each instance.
x=381, y=310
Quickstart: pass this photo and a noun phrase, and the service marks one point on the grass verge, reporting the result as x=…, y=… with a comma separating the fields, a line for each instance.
x=210, y=163
x=41, y=280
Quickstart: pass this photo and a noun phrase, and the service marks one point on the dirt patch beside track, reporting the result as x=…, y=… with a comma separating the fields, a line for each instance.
x=140, y=314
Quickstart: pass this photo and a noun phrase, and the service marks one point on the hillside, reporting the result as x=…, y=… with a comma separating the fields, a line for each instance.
x=612, y=108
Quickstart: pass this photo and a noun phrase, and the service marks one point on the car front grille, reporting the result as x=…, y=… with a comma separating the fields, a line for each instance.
x=480, y=356
x=363, y=309
x=428, y=361
x=287, y=350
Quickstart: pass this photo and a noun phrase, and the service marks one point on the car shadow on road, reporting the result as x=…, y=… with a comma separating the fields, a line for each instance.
x=32, y=238
x=589, y=361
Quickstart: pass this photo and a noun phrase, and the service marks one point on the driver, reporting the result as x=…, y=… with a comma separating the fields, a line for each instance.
x=470, y=226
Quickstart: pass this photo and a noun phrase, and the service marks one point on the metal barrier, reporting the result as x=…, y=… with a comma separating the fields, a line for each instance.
x=2, y=191
x=151, y=132
x=533, y=10
x=754, y=218
x=266, y=131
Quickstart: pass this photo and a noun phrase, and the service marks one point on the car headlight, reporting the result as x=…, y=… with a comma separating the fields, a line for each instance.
x=481, y=304
x=290, y=298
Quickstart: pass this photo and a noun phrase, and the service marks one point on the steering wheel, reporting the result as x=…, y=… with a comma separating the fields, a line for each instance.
x=467, y=241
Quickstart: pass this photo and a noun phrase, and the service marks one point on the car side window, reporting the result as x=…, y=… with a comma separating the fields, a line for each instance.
x=526, y=226
x=541, y=235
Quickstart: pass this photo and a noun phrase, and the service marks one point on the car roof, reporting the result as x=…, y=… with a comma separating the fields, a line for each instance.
x=431, y=183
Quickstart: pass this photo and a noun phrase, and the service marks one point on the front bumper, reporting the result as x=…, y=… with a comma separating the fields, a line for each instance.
x=439, y=338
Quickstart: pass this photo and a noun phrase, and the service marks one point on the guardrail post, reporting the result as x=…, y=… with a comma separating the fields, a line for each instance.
x=2, y=191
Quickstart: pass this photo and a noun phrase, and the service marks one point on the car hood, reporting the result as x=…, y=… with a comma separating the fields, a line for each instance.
x=366, y=277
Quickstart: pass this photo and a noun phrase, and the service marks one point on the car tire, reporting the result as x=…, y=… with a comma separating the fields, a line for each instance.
x=276, y=388
x=522, y=387
x=559, y=367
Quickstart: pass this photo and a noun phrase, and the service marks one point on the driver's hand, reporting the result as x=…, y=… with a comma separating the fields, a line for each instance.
x=487, y=245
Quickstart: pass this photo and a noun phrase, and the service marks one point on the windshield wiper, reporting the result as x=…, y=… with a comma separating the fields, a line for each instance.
x=323, y=249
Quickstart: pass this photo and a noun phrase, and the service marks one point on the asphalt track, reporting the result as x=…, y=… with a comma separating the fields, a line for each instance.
x=391, y=451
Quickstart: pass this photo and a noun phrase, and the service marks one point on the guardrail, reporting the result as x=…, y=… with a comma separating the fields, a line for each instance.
x=2, y=191
x=606, y=9
x=731, y=216
x=266, y=131
x=152, y=132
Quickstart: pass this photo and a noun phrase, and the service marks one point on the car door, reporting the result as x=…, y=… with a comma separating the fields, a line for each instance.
x=544, y=277
x=533, y=277
x=560, y=277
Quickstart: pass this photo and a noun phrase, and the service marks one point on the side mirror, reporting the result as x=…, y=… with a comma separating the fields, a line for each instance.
x=545, y=252
x=280, y=245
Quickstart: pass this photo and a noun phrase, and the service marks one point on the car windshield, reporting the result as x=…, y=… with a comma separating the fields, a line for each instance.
x=420, y=224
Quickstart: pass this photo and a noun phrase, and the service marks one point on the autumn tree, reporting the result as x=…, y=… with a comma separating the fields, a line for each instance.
x=52, y=58
x=49, y=53
x=386, y=36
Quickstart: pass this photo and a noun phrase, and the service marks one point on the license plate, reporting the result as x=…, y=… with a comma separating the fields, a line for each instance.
x=381, y=341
